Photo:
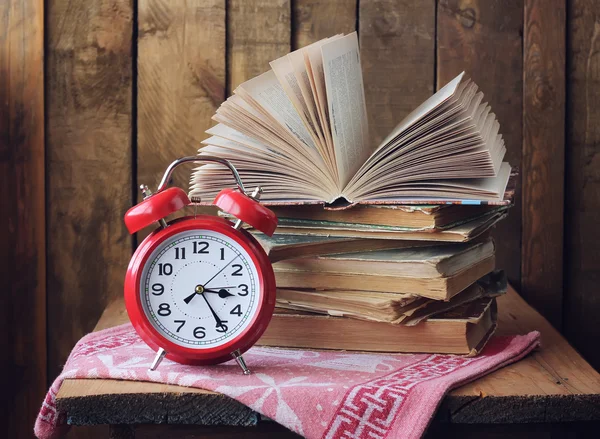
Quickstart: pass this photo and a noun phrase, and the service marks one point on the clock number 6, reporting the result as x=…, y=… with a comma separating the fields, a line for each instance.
x=199, y=332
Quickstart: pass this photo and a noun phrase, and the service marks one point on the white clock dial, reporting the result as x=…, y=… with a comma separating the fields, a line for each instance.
x=200, y=289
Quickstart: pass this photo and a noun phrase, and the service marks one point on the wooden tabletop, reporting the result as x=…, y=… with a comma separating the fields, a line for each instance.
x=554, y=384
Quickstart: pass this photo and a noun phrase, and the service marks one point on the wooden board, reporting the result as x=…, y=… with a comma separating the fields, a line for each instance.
x=397, y=44
x=313, y=20
x=543, y=157
x=552, y=384
x=180, y=85
x=89, y=157
x=582, y=182
x=22, y=233
x=258, y=31
x=484, y=38
x=437, y=430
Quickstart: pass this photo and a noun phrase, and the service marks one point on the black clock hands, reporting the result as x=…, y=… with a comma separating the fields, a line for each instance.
x=189, y=298
x=220, y=323
x=219, y=272
x=198, y=290
x=223, y=293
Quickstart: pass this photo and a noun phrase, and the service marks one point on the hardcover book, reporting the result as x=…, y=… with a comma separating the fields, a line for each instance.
x=405, y=309
x=463, y=330
x=438, y=272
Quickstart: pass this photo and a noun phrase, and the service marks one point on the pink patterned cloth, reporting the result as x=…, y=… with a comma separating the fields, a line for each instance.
x=316, y=394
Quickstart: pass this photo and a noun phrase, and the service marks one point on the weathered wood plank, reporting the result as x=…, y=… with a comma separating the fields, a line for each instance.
x=484, y=38
x=397, y=46
x=436, y=430
x=314, y=20
x=88, y=164
x=258, y=31
x=22, y=234
x=543, y=157
x=582, y=182
x=167, y=405
x=181, y=82
x=264, y=430
x=554, y=384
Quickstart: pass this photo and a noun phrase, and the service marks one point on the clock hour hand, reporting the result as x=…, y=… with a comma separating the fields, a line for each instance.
x=189, y=298
x=198, y=290
x=220, y=323
x=223, y=293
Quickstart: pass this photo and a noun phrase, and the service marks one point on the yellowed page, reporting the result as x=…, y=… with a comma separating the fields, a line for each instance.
x=269, y=94
x=300, y=72
x=313, y=61
x=284, y=71
x=346, y=104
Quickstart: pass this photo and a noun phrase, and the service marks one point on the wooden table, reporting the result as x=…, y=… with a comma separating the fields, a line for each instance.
x=552, y=390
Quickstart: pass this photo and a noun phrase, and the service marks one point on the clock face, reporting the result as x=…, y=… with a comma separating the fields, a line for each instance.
x=200, y=289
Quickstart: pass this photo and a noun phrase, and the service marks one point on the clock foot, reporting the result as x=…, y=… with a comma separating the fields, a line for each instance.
x=160, y=354
x=240, y=361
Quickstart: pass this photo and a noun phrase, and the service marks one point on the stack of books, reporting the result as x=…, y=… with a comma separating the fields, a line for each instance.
x=379, y=248
x=385, y=293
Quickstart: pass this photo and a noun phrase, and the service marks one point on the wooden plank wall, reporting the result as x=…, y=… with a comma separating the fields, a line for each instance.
x=484, y=39
x=22, y=228
x=89, y=164
x=582, y=189
x=131, y=84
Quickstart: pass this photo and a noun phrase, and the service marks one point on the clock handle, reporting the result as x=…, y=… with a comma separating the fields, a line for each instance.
x=206, y=158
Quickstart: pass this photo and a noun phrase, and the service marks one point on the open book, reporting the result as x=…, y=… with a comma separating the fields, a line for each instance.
x=300, y=132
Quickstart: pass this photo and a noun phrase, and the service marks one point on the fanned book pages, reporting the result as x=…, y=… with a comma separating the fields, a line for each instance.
x=300, y=132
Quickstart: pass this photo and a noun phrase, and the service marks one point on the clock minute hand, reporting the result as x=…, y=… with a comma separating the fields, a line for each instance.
x=217, y=319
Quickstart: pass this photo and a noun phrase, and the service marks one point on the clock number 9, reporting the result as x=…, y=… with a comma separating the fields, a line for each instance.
x=158, y=289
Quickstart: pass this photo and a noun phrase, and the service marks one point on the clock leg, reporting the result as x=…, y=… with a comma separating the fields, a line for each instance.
x=240, y=361
x=160, y=354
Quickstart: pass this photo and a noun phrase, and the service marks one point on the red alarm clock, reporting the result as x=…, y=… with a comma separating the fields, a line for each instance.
x=200, y=289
